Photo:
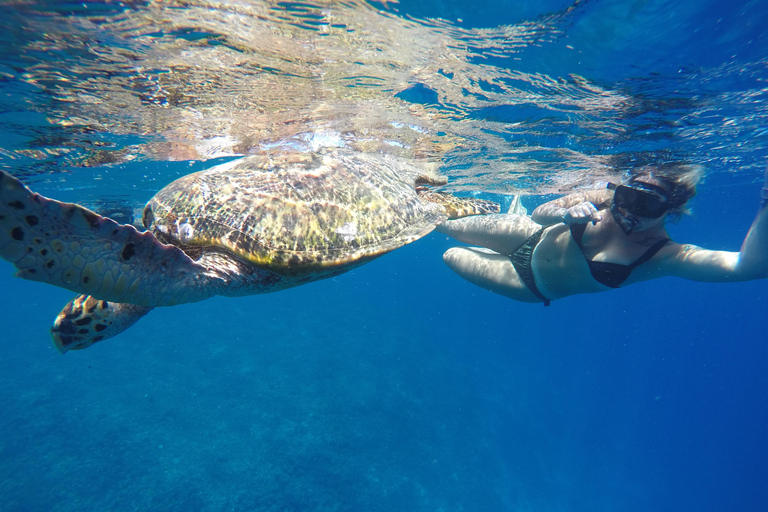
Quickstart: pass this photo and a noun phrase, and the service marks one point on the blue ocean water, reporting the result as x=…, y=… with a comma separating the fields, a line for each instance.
x=396, y=386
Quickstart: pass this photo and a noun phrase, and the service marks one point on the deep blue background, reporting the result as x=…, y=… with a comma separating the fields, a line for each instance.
x=400, y=387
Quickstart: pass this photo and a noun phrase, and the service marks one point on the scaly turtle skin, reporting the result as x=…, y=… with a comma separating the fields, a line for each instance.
x=258, y=224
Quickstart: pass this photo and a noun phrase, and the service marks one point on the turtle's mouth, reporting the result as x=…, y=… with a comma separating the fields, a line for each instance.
x=162, y=233
x=193, y=251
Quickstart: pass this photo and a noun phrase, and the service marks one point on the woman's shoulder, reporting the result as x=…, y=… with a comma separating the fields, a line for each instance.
x=673, y=254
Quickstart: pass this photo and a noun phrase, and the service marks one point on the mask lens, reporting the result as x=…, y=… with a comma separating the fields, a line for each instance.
x=644, y=203
x=624, y=197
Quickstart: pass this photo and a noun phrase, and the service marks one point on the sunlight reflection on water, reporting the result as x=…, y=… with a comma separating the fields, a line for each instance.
x=180, y=81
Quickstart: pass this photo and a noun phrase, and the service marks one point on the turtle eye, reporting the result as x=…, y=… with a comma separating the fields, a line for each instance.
x=186, y=232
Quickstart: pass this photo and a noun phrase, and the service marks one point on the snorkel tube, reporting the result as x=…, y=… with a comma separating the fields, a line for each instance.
x=627, y=223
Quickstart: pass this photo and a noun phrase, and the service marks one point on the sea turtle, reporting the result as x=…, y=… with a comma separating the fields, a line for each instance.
x=256, y=224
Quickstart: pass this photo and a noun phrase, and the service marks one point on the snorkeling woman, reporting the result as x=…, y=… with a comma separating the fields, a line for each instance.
x=600, y=239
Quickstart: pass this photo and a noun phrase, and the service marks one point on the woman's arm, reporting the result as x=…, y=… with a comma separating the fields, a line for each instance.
x=576, y=208
x=751, y=262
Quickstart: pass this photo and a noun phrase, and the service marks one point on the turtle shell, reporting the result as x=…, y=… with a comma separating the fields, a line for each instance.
x=293, y=212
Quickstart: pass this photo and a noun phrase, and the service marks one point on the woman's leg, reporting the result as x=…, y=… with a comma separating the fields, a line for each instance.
x=503, y=233
x=489, y=270
x=489, y=266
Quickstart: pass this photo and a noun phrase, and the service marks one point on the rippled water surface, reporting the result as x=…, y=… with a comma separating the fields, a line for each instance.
x=507, y=96
x=397, y=386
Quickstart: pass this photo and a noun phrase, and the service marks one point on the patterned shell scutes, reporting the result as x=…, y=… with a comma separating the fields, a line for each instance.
x=294, y=212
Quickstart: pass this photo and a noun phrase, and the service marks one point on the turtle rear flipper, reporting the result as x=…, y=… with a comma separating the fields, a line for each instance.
x=69, y=246
x=458, y=207
x=85, y=321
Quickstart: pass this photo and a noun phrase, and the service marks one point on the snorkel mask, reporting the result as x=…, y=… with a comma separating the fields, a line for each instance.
x=639, y=200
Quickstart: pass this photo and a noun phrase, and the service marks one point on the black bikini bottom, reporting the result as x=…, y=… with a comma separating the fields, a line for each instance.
x=521, y=260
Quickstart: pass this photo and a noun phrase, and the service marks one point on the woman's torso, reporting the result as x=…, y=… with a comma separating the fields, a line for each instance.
x=561, y=268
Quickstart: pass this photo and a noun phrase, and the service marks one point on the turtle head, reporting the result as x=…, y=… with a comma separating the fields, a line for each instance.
x=168, y=229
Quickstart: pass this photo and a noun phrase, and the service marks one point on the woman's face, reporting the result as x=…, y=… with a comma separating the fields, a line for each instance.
x=643, y=206
x=644, y=223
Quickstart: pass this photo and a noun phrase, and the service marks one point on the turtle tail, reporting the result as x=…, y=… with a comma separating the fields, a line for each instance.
x=458, y=207
x=85, y=321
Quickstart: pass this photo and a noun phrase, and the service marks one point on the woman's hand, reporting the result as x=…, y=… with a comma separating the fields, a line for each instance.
x=764, y=191
x=583, y=208
x=581, y=213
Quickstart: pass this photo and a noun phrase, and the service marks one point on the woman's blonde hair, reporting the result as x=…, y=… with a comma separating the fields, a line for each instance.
x=679, y=179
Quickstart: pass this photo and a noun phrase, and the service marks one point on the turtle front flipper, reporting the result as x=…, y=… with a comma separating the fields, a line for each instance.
x=458, y=207
x=69, y=246
x=85, y=321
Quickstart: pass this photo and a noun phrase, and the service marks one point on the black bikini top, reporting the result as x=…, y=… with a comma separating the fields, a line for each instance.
x=613, y=274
